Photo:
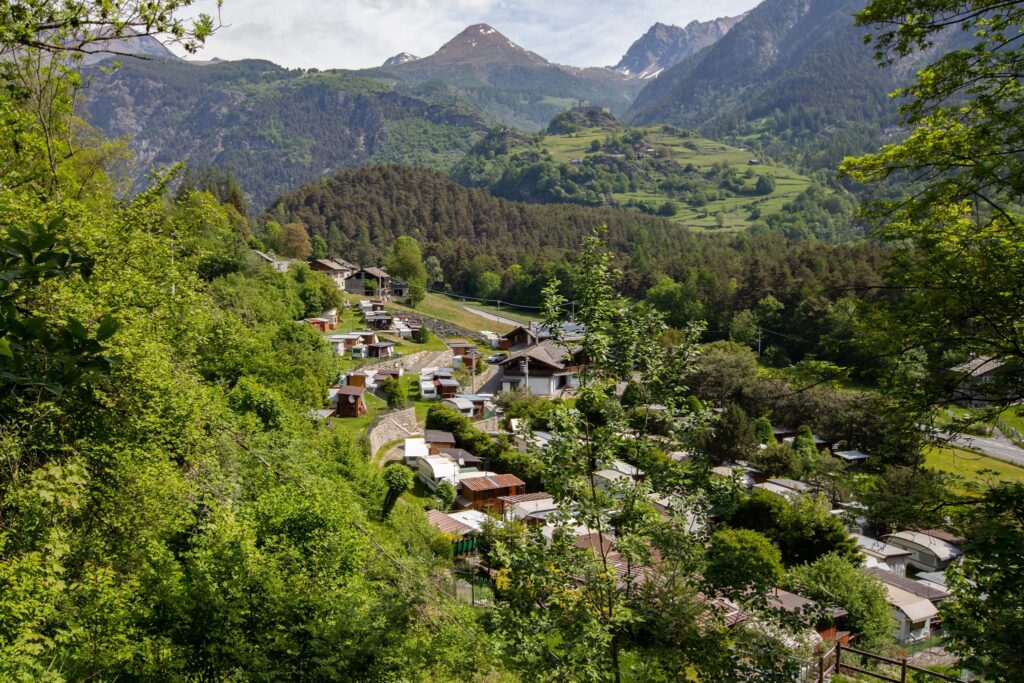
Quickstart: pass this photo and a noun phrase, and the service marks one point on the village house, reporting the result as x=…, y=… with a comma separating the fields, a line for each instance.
x=530, y=508
x=927, y=553
x=977, y=381
x=447, y=387
x=399, y=288
x=350, y=401
x=343, y=343
x=534, y=333
x=461, y=457
x=321, y=325
x=545, y=369
x=415, y=448
x=367, y=281
x=337, y=269
x=437, y=439
x=485, y=492
x=921, y=589
x=479, y=404
x=381, y=350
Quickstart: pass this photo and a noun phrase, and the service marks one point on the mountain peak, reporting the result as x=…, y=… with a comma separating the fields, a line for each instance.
x=665, y=45
x=483, y=44
x=399, y=59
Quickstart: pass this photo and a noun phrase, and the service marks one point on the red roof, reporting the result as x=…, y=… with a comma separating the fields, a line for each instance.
x=448, y=525
x=495, y=481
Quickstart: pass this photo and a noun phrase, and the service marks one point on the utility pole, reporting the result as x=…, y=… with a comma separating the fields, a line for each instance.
x=758, y=341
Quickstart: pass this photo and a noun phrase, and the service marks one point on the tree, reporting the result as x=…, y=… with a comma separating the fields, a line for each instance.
x=834, y=580
x=765, y=184
x=807, y=529
x=743, y=328
x=417, y=292
x=732, y=437
x=957, y=229
x=488, y=286
x=421, y=335
x=295, y=241
x=741, y=562
x=445, y=495
x=435, y=273
x=398, y=479
x=319, y=247
x=405, y=260
x=273, y=236
x=982, y=617
x=723, y=370
x=394, y=392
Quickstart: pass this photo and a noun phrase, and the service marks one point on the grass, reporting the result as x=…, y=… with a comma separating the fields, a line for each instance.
x=975, y=470
x=703, y=154
x=450, y=310
x=419, y=496
x=357, y=426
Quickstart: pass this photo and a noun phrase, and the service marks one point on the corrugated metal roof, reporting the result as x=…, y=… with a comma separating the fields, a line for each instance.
x=527, y=497
x=909, y=585
x=447, y=524
x=495, y=481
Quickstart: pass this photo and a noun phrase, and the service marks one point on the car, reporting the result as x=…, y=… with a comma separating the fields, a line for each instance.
x=497, y=357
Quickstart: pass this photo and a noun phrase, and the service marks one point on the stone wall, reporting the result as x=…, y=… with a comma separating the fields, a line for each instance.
x=489, y=425
x=443, y=329
x=414, y=361
x=388, y=427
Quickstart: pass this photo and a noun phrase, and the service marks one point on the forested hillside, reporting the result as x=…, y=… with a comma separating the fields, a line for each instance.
x=274, y=128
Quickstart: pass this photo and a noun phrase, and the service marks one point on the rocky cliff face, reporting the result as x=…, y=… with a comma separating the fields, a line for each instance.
x=665, y=45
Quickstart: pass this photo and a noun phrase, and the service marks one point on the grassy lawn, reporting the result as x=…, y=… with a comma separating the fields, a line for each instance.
x=420, y=497
x=450, y=310
x=975, y=469
x=357, y=426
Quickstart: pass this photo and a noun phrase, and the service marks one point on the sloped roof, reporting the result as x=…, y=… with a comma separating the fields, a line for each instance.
x=438, y=436
x=493, y=481
x=909, y=585
x=979, y=366
x=527, y=497
x=458, y=454
x=547, y=352
x=349, y=390
x=915, y=607
x=943, y=550
x=881, y=548
x=447, y=524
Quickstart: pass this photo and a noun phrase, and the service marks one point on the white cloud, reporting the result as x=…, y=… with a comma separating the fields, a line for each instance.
x=363, y=33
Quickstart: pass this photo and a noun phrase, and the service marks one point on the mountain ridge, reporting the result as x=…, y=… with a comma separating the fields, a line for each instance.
x=665, y=45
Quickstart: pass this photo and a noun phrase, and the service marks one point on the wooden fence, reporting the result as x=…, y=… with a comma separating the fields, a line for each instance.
x=841, y=660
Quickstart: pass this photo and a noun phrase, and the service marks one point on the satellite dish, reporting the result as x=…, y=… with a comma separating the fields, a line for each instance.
x=351, y=399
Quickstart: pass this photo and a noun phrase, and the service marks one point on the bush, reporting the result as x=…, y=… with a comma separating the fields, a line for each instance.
x=421, y=336
x=394, y=392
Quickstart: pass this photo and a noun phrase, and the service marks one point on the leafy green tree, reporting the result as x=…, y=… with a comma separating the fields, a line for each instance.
x=834, y=580
x=732, y=436
x=417, y=292
x=398, y=479
x=405, y=260
x=981, y=617
x=273, y=236
x=435, y=273
x=806, y=530
x=421, y=336
x=445, y=495
x=763, y=430
x=743, y=328
x=765, y=184
x=319, y=247
x=741, y=562
x=394, y=392
x=488, y=286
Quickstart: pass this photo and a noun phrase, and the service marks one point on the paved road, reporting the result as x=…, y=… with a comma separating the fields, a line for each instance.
x=493, y=316
x=992, y=447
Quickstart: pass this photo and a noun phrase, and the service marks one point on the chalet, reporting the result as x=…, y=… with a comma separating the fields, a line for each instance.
x=379, y=320
x=321, y=325
x=437, y=439
x=460, y=347
x=535, y=333
x=975, y=381
x=447, y=387
x=882, y=555
x=367, y=337
x=485, y=492
x=381, y=350
x=463, y=406
x=350, y=401
x=927, y=553
x=368, y=281
x=337, y=269
x=280, y=265
x=434, y=469
x=545, y=369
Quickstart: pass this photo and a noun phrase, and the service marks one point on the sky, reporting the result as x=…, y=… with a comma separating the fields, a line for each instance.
x=351, y=34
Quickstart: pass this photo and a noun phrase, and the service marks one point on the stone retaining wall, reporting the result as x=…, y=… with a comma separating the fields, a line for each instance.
x=444, y=358
x=388, y=427
x=443, y=329
x=489, y=425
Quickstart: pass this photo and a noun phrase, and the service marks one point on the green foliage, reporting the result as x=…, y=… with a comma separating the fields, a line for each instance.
x=445, y=495
x=980, y=617
x=295, y=242
x=421, y=336
x=394, y=391
x=741, y=562
x=834, y=580
x=405, y=260
x=398, y=479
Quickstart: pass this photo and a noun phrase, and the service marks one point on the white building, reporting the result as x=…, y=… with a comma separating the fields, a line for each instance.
x=435, y=469
x=927, y=553
x=913, y=615
x=882, y=555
